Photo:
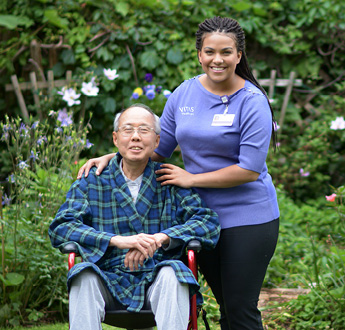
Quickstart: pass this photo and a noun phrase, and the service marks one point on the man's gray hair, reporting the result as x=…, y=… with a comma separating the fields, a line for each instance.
x=157, y=121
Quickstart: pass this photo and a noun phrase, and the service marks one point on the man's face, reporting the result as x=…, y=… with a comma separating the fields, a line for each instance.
x=136, y=148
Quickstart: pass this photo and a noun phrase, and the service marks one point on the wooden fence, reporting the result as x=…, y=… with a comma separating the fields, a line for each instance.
x=271, y=83
x=35, y=86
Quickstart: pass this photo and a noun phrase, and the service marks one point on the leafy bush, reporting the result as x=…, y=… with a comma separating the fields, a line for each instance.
x=310, y=155
x=137, y=37
x=32, y=274
x=157, y=36
x=310, y=254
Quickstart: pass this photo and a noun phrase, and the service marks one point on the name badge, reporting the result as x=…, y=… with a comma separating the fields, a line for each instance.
x=223, y=119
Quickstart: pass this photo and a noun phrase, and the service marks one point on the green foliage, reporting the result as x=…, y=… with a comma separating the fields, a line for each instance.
x=210, y=303
x=310, y=254
x=32, y=274
x=158, y=36
x=310, y=155
x=137, y=37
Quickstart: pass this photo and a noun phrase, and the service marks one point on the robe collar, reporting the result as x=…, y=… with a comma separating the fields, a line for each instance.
x=138, y=212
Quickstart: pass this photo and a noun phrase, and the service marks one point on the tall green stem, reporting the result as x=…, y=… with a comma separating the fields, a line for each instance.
x=2, y=245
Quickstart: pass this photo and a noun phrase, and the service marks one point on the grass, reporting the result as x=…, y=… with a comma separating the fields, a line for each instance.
x=57, y=326
x=64, y=326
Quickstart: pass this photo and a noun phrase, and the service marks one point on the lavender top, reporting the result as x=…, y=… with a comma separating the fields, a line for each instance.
x=188, y=120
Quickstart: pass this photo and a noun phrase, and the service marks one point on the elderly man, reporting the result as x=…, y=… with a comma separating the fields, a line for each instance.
x=131, y=232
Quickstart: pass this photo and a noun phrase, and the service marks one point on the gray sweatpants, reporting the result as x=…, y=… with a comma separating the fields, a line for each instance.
x=89, y=298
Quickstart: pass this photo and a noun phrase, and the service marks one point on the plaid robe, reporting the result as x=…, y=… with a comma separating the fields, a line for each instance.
x=100, y=207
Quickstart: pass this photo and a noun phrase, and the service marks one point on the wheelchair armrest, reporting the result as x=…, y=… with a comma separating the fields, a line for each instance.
x=194, y=245
x=69, y=248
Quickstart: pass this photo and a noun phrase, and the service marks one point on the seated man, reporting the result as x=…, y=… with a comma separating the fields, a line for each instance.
x=131, y=232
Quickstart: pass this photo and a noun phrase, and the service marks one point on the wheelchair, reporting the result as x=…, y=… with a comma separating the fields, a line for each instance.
x=144, y=318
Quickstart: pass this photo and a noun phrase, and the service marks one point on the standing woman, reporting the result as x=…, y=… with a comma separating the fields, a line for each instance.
x=223, y=123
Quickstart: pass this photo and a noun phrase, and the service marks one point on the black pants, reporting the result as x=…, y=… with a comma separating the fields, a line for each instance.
x=235, y=271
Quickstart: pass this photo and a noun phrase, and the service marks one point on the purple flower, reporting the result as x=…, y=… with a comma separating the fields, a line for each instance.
x=7, y=128
x=35, y=124
x=148, y=77
x=11, y=179
x=88, y=144
x=41, y=139
x=135, y=96
x=64, y=118
x=302, y=173
x=33, y=155
x=4, y=136
x=23, y=130
x=148, y=87
x=150, y=94
x=6, y=200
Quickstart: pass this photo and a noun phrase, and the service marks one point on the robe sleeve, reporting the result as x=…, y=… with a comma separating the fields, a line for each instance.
x=73, y=223
x=194, y=220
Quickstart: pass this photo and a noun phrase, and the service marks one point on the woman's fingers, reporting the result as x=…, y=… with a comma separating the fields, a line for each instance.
x=86, y=168
x=171, y=174
x=100, y=163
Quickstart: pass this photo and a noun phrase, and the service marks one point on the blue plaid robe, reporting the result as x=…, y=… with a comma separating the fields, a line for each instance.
x=99, y=207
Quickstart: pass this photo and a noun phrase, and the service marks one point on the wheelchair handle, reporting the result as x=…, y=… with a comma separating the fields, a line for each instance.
x=194, y=245
x=69, y=248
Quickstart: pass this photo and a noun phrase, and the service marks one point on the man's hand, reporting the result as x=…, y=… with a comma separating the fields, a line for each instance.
x=161, y=239
x=141, y=247
x=133, y=259
x=145, y=243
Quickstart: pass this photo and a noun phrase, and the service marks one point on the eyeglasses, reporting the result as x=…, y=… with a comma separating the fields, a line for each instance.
x=128, y=130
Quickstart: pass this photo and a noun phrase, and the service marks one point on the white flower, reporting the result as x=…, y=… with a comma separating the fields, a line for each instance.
x=70, y=96
x=166, y=93
x=89, y=89
x=22, y=165
x=338, y=123
x=110, y=74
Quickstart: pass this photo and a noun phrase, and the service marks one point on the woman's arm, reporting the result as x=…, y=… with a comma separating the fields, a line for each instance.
x=156, y=157
x=226, y=177
x=100, y=163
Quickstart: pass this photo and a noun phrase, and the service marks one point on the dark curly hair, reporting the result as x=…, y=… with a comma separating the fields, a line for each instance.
x=231, y=26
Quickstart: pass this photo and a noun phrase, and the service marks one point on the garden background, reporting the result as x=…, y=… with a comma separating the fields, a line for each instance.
x=150, y=44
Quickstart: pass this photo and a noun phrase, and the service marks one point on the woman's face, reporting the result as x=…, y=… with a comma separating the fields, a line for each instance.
x=219, y=57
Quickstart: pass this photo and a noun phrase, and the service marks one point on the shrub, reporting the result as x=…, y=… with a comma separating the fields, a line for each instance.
x=310, y=154
x=32, y=275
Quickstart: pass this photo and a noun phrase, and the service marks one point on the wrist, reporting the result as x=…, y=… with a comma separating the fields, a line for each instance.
x=114, y=241
x=193, y=181
x=164, y=239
